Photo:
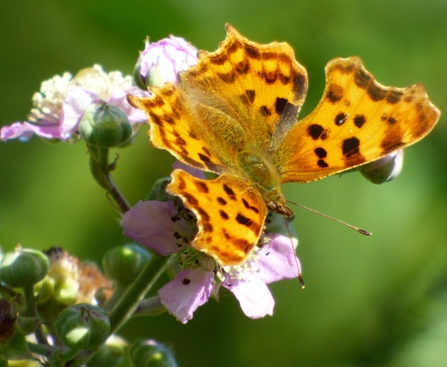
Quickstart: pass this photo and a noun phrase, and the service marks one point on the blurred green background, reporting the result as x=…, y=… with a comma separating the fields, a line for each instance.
x=377, y=301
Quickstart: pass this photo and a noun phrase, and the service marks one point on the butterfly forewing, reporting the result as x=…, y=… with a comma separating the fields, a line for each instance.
x=357, y=121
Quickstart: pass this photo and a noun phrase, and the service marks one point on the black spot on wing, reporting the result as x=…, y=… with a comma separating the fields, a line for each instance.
x=316, y=132
x=223, y=215
x=350, y=147
x=359, y=120
x=251, y=94
x=204, y=158
x=221, y=201
x=340, y=118
x=320, y=152
x=280, y=105
x=264, y=111
x=202, y=187
x=394, y=96
x=241, y=219
x=334, y=93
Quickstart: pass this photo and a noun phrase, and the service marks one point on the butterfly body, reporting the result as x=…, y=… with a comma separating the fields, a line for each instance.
x=235, y=113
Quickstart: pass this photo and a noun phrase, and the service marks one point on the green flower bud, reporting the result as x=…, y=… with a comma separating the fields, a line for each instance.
x=28, y=324
x=83, y=326
x=111, y=354
x=150, y=353
x=385, y=169
x=124, y=263
x=158, y=191
x=23, y=267
x=105, y=125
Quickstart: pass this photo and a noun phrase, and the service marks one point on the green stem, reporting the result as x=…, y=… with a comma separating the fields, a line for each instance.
x=30, y=311
x=136, y=292
x=101, y=167
x=118, y=292
x=150, y=307
x=42, y=350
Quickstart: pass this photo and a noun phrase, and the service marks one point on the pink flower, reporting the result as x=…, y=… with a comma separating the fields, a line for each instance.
x=167, y=229
x=160, y=62
x=62, y=101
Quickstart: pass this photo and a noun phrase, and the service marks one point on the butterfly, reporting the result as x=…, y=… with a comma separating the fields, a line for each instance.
x=235, y=113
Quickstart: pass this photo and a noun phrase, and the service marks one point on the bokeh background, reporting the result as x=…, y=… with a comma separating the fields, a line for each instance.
x=369, y=301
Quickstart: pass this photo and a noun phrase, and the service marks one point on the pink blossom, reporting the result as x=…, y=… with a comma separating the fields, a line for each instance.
x=161, y=227
x=161, y=61
x=62, y=101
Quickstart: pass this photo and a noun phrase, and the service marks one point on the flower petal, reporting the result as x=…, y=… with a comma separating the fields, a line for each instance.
x=17, y=130
x=277, y=260
x=162, y=60
x=135, y=115
x=253, y=295
x=75, y=103
x=191, y=170
x=189, y=290
x=156, y=224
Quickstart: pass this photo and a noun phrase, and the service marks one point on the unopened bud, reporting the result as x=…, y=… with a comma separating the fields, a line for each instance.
x=385, y=169
x=23, y=267
x=105, y=125
x=83, y=326
x=124, y=263
x=150, y=353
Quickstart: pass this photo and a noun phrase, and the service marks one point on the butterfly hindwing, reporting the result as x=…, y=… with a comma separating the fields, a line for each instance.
x=230, y=215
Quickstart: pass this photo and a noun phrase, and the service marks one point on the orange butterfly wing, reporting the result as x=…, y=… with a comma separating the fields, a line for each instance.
x=357, y=121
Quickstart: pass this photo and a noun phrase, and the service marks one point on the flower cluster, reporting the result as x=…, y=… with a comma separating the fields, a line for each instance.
x=168, y=228
x=63, y=100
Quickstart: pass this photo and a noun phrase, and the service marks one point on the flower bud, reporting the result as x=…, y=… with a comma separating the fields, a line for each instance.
x=23, y=267
x=385, y=169
x=28, y=324
x=105, y=125
x=111, y=354
x=161, y=61
x=124, y=263
x=150, y=353
x=83, y=326
x=158, y=191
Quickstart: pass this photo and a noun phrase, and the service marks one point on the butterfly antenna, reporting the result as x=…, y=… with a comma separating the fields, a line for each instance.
x=297, y=261
x=359, y=230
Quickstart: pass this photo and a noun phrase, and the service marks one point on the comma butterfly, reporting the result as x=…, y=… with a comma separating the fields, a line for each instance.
x=235, y=113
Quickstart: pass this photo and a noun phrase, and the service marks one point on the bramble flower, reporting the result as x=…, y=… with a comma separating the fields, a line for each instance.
x=168, y=228
x=62, y=101
x=161, y=61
